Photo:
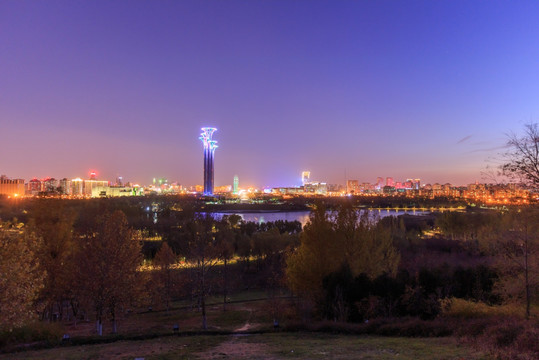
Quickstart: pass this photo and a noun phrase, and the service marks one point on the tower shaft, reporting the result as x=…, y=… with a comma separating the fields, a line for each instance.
x=209, y=149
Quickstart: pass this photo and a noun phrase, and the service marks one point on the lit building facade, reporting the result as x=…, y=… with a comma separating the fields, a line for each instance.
x=379, y=183
x=317, y=188
x=49, y=185
x=305, y=177
x=80, y=187
x=352, y=186
x=90, y=185
x=65, y=186
x=236, y=184
x=209, y=150
x=116, y=191
x=11, y=187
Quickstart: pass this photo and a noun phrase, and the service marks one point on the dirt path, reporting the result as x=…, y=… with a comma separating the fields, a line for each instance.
x=238, y=348
x=247, y=324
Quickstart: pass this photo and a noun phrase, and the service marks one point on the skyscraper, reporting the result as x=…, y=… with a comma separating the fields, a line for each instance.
x=379, y=183
x=209, y=148
x=236, y=184
x=305, y=176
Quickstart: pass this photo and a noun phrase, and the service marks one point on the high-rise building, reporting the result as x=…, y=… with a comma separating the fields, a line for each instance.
x=317, y=188
x=305, y=176
x=352, y=186
x=49, y=185
x=80, y=187
x=390, y=182
x=11, y=187
x=236, y=184
x=34, y=186
x=209, y=149
x=65, y=186
x=77, y=187
x=379, y=183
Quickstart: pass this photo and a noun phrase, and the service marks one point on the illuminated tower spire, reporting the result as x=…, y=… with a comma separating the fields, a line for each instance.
x=209, y=149
x=236, y=184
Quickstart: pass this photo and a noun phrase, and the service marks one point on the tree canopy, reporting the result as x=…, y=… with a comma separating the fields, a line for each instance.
x=328, y=242
x=20, y=280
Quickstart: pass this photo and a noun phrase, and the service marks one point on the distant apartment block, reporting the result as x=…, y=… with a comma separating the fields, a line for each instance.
x=11, y=187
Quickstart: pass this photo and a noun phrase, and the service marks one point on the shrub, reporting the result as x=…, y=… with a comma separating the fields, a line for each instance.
x=414, y=327
x=466, y=309
x=504, y=337
x=528, y=340
x=504, y=334
x=33, y=332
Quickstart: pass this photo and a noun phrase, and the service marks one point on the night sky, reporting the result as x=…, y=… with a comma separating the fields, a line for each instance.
x=424, y=89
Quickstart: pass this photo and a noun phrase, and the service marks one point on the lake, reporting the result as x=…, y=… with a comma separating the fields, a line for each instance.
x=303, y=216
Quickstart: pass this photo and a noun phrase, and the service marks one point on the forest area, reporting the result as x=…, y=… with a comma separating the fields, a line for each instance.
x=470, y=274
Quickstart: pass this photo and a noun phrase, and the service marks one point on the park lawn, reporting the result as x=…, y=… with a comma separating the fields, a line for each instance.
x=300, y=345
x=158, y=348
x=330, y=346
x=160, y=322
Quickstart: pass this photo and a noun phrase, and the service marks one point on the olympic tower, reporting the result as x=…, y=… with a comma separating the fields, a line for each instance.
x=209, y=149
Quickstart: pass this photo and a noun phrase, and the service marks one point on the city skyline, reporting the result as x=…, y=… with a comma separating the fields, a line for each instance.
x=344, y=90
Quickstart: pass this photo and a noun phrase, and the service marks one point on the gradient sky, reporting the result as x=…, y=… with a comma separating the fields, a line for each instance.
x=405, y=89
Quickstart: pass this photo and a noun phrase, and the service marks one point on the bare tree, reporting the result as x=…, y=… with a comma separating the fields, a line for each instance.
x=204, y=254
x=517, y=247
x=521, y=161
x=519, y=244
x=225, y=246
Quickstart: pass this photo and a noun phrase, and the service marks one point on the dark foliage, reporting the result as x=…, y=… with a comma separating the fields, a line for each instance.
x=360, y=298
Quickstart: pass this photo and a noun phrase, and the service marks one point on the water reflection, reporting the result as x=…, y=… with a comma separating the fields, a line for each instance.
x=303, y=216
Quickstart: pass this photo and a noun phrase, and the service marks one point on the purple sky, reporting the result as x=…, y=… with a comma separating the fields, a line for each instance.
x=372, y=88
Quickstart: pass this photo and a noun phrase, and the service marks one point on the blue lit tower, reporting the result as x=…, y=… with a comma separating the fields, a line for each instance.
x=209, y=149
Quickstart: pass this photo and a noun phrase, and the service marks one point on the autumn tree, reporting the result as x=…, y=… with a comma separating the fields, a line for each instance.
x=315, y=258
x=365, y=243
x=20, y=278
x=53, y=223
x=108, y=262
x=327, y=243
x=163, y=276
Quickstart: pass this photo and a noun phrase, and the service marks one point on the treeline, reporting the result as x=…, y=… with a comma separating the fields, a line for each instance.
x=100, y=258
x=380, y=201
x=70, y=275
x=356, y=299
x=350, y=269
x=92, y=260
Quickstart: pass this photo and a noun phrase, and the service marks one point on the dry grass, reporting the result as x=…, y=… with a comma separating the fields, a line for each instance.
x=264, y=346
x=149, y=335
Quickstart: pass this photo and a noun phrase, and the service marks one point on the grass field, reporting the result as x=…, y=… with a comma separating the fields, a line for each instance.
x=244, y=331
x=263, y=346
